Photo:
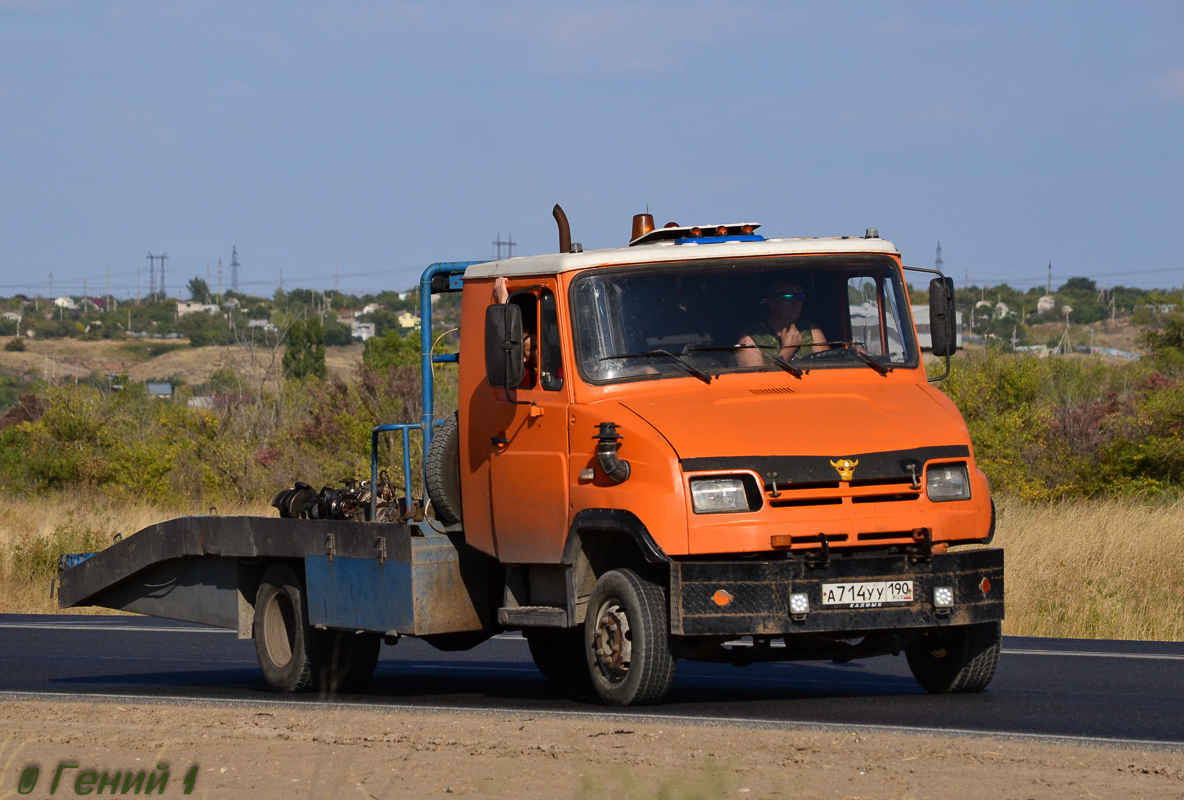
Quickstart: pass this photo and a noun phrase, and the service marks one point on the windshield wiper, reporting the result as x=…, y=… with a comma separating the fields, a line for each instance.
x=793, y=370
x=851, y=347
x=797, y=372
x=698, y=373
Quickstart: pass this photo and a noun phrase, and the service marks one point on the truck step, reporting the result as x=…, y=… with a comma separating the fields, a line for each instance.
x=533, y=616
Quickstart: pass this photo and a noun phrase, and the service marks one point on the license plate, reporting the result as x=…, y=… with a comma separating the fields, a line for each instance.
x=870, y=594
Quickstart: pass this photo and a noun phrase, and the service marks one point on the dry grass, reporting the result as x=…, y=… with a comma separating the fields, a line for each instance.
x=56, y=359
x=1094, y=570
x=32, y=527
x=1083, y=570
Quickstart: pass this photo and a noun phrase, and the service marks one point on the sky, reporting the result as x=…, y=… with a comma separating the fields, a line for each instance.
x=368, y=139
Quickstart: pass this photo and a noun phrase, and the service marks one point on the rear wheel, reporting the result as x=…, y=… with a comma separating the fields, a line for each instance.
x=289, y=649
x=627, y=639
x=348, y=661
x=442, y=473
x=958, y=659
x=558, y=653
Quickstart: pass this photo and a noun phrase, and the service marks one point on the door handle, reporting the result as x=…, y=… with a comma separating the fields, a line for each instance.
x=498, y=441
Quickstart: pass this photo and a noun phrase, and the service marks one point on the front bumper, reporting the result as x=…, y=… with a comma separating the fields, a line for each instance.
x=758, y=594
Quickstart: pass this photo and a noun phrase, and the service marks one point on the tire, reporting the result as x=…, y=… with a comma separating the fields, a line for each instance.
x=289, y=649
x=442, y=475
x=558, y=653
x=348, y=661
x=960, y=659
x=627, y=640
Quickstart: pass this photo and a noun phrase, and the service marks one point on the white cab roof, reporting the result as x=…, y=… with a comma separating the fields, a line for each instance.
x=552, y=263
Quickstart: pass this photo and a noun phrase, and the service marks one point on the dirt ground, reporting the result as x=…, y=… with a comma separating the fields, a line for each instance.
x=259, y=753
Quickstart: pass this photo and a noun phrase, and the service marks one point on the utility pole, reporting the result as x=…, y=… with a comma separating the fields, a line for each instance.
x=108, y=288
x=137, y=286
x=163, y=291
x=219, y=276
x=1048, y=288
x=234, y=265
x=336, y=281
x=508, y=244
x=281, y=280
x=938, y=263
x=51, y=297
x=152, y=287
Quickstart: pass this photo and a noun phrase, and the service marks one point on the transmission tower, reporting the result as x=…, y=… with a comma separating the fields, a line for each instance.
x=508, y=244
x=234, y=265
x=152, y=285
x=937, y=262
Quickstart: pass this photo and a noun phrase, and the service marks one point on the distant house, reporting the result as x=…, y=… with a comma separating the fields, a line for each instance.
x=159, y=389
x=924, y=338
x=1046, y=304
x=263, y=324
x=408, y=320
x=14, y=316
x=369, y=309
x=65, y=302
x=184, y=308
x=230, y=303
x=362, y=330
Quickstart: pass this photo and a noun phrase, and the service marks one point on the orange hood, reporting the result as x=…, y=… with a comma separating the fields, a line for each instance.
x=807, y=421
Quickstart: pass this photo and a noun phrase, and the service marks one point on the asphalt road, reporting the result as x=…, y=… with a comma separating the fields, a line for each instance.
x=1051, y=688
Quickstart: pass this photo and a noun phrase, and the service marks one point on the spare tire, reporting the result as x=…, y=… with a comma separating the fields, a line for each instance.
x=442, y=476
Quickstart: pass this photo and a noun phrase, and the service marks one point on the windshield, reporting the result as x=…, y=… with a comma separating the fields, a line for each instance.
x=708, y=318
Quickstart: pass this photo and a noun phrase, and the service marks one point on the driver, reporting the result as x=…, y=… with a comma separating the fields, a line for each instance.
x=782, y=332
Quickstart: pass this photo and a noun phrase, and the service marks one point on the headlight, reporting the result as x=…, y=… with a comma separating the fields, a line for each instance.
x=718, y=495
x=947, y=482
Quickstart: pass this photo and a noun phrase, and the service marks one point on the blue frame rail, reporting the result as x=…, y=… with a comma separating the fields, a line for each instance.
x=405, y=428
x=455, y=271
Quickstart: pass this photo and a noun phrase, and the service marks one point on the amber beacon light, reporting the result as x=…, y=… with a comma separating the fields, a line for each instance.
x=642, y=224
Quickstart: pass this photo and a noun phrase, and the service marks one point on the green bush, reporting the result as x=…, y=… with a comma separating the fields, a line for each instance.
x=1049, y=428
x=36, y=559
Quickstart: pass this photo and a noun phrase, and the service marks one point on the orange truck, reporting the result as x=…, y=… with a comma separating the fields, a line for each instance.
x=707, y=445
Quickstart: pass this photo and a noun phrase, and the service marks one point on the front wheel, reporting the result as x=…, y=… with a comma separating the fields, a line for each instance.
x=627, y=639
x=958, y=659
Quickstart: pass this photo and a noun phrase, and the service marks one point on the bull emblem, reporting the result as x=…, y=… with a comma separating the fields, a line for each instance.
x=845, y=467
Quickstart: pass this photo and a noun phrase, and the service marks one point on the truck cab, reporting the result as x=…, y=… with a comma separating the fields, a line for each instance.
x=729, y=418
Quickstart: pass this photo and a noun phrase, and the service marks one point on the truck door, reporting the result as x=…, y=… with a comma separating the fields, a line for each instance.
x=528, y=447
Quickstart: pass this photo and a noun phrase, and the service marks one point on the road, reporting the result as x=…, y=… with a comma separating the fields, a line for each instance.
x=1130, y=692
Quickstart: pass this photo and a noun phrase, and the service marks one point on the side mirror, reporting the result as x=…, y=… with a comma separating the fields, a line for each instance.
x=503, y=346
x=943, y=319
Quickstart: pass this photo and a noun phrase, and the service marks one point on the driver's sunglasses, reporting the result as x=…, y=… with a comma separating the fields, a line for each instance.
x=791, y=296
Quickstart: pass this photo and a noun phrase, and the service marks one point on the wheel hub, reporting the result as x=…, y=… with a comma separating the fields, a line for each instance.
x=613, y=643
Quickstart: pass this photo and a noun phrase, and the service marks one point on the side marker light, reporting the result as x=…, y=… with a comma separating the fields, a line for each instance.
x=985, y=585
x=722, y=597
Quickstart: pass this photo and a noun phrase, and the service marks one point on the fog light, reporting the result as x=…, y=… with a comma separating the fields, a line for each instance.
x=943, y=597
x=799, y=603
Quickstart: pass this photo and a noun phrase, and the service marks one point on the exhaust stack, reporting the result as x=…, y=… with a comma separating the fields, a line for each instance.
x=564, y=229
